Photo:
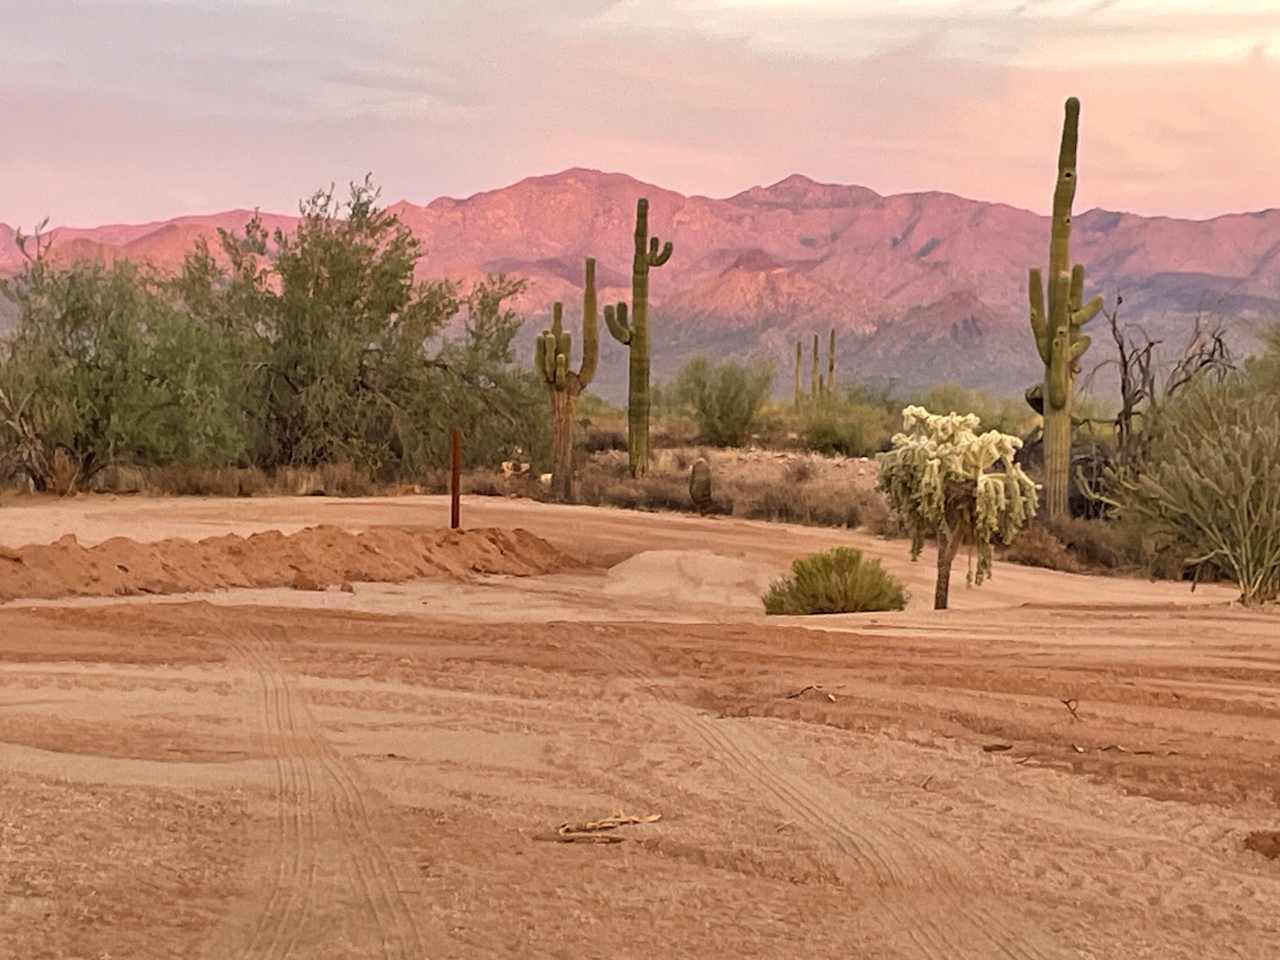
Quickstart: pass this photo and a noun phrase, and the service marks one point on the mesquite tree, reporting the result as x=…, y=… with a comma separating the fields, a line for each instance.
x=1057, y=330
x=552, y=355
x=650, y=253
x=939, y=478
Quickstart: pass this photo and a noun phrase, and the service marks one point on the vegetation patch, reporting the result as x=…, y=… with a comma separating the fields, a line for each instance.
x=840, y=580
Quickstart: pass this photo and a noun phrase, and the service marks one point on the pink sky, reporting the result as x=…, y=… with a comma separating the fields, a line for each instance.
x=130, y=110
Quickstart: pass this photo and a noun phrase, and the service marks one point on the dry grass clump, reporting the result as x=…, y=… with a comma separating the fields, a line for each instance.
x=749, y=484
x=1077, y=545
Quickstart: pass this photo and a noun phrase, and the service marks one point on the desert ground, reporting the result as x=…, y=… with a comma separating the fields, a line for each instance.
x=362, y=742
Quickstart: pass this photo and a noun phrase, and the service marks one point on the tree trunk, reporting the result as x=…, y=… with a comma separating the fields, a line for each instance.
x=563, y=404
x=946, y=554
x=455, y=480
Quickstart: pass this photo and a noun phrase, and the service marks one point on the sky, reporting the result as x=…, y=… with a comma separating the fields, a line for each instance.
x=134, y=110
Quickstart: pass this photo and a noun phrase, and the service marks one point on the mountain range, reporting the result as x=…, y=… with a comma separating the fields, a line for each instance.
x=921, y=287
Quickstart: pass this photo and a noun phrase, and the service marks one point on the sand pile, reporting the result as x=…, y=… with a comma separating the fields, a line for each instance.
x=314, y=558
x=693, y=577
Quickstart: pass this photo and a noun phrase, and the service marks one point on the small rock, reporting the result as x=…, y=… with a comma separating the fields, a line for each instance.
x=347, y=587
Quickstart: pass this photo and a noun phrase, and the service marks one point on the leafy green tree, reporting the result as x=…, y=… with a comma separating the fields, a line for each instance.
x=939, y=479
x=103, y=368
x=347, y=356
x=725, y=398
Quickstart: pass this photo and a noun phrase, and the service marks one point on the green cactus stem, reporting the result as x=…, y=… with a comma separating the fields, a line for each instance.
x=552, y=354
x=649, y=254
x=814, y=388
x=799, y=366
x=1057, y=331
x=831, y=362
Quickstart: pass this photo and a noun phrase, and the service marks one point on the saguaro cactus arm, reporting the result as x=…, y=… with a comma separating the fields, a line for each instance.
x=553, y=349
x=658, y=253
x=657, y=259
x=590, y=327
x=615, y=318
x=1039, y=322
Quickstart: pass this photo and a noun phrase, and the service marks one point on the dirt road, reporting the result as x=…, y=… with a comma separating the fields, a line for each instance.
x=1064, y=767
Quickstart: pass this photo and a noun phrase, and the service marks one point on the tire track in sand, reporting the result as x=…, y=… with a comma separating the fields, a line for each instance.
x=317, y=797
x=952, y=920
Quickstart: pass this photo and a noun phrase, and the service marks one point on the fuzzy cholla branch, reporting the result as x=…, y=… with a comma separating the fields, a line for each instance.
x=950, y=482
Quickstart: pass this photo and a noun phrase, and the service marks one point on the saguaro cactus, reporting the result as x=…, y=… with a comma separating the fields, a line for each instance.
x=815, y=389
x=799, y=364
x=831, y=363
x=552, y=354
x=650, y=253
x=1058, y=332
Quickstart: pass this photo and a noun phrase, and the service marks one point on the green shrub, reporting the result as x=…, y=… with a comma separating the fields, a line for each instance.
x=725, y=398
x=1211, y=488
x=837, y=581
x=844, y=429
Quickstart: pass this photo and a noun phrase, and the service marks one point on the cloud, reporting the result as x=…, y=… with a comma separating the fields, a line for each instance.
x=133, y=109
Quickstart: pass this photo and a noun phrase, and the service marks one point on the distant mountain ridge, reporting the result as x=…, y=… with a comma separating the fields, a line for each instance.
x=922, y=287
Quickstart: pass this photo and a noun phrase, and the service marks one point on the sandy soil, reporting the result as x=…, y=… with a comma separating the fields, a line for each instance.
x=1061, y=767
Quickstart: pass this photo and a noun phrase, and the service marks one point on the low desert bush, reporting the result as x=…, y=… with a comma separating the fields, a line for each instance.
x=1036, y=546
x=332, y=480
x=725, y=399
x=596, y=439
x=837, y=428
x=837, y=581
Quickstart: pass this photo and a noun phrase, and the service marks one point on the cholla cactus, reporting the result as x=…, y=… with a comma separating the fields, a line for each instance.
x=939, y=478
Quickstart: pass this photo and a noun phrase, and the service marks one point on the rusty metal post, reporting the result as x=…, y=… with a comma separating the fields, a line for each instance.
x=455, y=481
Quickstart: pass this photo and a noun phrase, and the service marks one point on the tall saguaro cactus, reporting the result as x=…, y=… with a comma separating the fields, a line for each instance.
x=650, y=253
x=552, y=355
x=814, y=388
x=831, y=363
x=1058, y=331
x=799, y=364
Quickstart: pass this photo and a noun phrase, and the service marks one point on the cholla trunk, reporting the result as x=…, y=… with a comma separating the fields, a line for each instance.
x=946, y=554
x=563, y=405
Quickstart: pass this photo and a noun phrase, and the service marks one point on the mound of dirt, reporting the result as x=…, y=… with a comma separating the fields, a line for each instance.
x=314, y=558
x=693, y=577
